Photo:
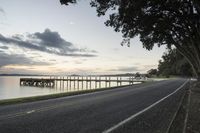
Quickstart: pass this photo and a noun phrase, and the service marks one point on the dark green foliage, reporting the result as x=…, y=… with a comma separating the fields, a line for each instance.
x=173, y=63
x=161, y=22
x=137, y=75
x=67, y=2
x=152, y=72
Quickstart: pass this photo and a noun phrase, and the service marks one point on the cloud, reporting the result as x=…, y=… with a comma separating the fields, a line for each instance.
x=116, y=49
x=52, y=39
x=17, y=59
x=47, y=41
x=71, y=23
x=3, y=47
x=125, y=69
x=2, y=11
x=78, y=62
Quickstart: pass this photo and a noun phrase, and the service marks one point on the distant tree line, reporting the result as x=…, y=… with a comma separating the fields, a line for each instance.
x=172, y=63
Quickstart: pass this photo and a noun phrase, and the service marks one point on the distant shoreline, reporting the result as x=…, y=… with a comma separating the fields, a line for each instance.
x=126, y=74
x=21, y=75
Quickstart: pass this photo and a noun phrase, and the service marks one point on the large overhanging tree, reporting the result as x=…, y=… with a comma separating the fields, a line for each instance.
x=156, y=22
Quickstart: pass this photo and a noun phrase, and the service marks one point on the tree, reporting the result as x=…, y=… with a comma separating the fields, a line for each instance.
x=137, y=75
x=173, y=63
x=152, y=72
x=161, y=22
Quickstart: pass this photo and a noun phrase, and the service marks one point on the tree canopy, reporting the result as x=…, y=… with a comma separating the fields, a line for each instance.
x=173, y=63
x=156, y=22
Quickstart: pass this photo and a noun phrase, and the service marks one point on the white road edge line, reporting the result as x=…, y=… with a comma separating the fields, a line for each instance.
x=142, y=111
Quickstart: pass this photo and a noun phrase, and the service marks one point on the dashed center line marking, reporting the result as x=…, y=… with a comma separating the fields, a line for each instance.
x=29, y=112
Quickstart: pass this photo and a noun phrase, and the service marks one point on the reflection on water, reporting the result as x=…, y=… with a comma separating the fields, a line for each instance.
x=10, y=88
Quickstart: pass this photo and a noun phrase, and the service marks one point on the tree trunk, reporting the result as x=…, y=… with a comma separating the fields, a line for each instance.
x=198, y=81
x=198, y=76
x=196, y=69
x=197, y=5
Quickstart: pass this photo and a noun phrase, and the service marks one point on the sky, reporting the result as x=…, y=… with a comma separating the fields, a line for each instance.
x=45, y=37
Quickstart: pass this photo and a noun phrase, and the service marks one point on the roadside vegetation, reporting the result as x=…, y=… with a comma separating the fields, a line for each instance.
x=172, y=64
x=170, y=23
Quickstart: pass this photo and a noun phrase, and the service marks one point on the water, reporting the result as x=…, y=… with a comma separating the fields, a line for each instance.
x=10, y=88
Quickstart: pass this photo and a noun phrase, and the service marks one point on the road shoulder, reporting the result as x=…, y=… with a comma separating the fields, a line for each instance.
x=193, y=121
x=187, y=119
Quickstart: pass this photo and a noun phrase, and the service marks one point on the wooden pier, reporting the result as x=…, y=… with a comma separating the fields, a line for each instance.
x=79, y=81
x=37, y=82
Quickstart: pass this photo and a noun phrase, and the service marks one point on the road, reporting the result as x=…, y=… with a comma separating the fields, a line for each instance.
x=144, y=108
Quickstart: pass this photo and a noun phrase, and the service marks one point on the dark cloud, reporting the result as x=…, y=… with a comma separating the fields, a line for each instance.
x=126, y=69
x=47, y=41
x=17, y=59
x=3, y=47
x=52, y=39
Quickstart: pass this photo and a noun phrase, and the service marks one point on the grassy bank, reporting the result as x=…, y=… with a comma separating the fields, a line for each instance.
x=51, y=96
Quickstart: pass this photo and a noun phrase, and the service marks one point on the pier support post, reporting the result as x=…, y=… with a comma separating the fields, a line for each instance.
x=86, y=82
x=78, y=83
x=70, y=83
x=99, y=81
x=117, y=81
x=67, y=83
x=106, y=82
x=120, y=81
x=56, y=82
x=60, y=83
x=90, y=82
x=74, y=83
x=95, y=82
x=63, y=82
x=82, y=83
x=109, y=82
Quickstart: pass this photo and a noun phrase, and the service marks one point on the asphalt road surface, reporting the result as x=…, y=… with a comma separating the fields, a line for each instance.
x=144, y=108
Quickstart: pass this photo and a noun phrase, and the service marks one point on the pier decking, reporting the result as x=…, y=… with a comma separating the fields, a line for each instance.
x=53, y=81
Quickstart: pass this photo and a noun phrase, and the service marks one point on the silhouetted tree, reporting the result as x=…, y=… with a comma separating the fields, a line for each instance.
x=66, y=2
x=152, y=72
x=160, y=22
x=173, y=63
x=137, y=75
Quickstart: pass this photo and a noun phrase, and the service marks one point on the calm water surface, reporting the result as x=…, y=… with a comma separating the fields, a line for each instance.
x=10, y=88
